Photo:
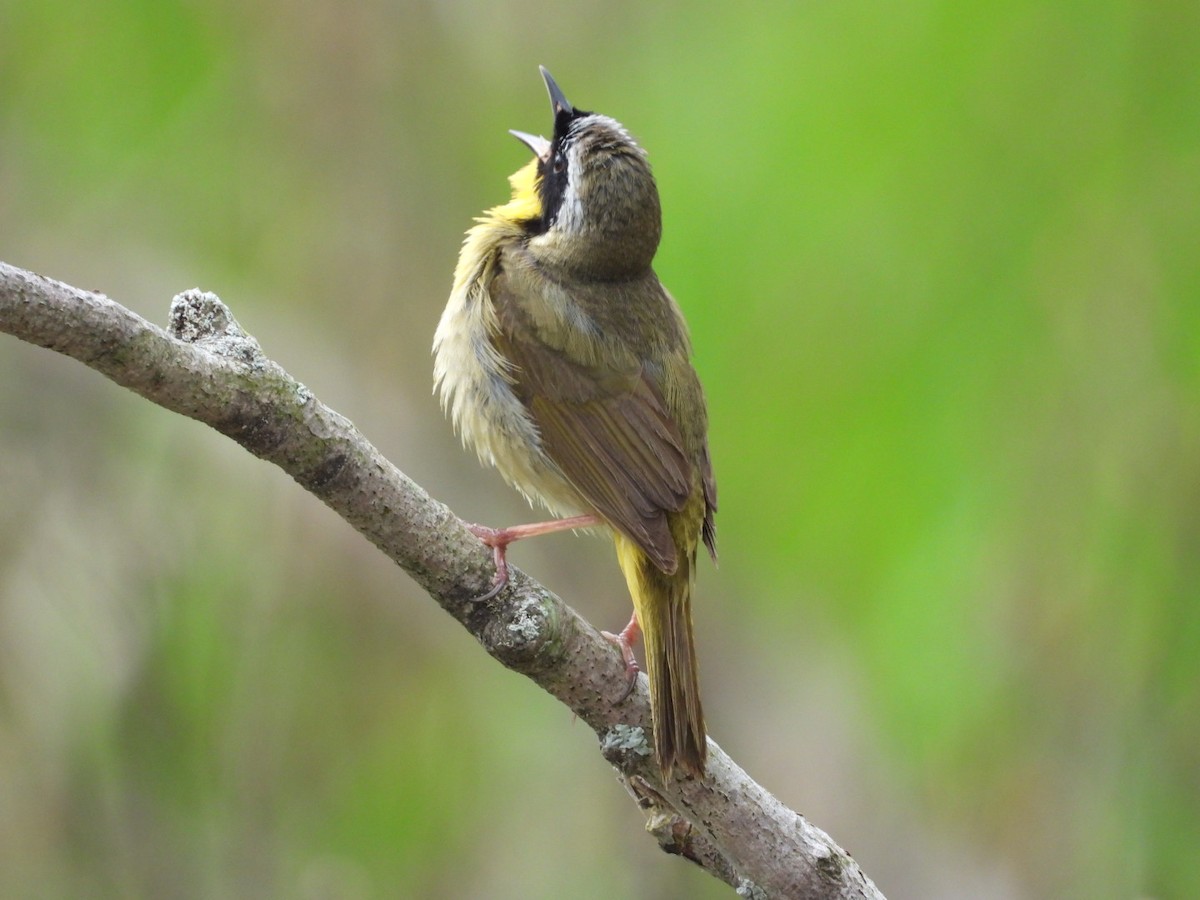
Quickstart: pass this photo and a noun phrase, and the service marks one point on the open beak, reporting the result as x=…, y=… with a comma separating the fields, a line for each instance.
x=539, y=145
x=563, y=111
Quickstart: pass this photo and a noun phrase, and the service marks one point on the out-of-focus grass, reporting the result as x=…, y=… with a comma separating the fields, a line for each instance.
x=939, y=263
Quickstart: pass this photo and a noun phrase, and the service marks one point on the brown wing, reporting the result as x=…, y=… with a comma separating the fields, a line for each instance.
x=709, y=530
x=607, y=430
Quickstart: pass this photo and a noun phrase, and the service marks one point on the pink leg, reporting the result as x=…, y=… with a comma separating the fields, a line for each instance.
x=625, y=641
x=499, y=539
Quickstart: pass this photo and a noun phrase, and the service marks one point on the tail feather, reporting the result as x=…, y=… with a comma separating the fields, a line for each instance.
x=663, y=603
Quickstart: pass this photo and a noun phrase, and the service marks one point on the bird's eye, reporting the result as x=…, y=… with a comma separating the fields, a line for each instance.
x=560, y=164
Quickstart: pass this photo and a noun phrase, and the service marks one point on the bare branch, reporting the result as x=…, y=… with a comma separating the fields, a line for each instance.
x=207, y=368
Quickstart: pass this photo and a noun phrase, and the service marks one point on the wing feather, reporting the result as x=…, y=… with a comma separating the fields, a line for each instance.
x=607, y=429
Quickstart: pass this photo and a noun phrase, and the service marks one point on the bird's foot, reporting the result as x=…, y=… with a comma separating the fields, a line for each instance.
x=499, y=539
x=624, y=640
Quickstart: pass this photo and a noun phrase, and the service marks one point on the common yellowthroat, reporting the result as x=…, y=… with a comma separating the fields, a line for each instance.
x=565, y=363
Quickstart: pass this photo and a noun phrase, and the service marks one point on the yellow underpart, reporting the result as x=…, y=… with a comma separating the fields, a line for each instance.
x=526, y=203
x=498, y=224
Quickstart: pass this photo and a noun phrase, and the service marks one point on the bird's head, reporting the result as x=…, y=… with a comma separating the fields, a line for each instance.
x=589, y=198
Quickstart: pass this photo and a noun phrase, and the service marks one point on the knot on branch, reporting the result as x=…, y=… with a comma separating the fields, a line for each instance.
x=519, y=634
x=199, y=317
x=678, y=835
x=747, y=888
x=624, y=746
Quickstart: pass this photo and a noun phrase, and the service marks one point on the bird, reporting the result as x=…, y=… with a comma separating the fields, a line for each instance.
x=564, y=363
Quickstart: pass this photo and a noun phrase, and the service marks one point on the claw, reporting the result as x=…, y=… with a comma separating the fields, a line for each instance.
x=624, y=641
x=498, y=539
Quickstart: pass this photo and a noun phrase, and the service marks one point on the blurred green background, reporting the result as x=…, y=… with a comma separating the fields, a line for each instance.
x=942, y=267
